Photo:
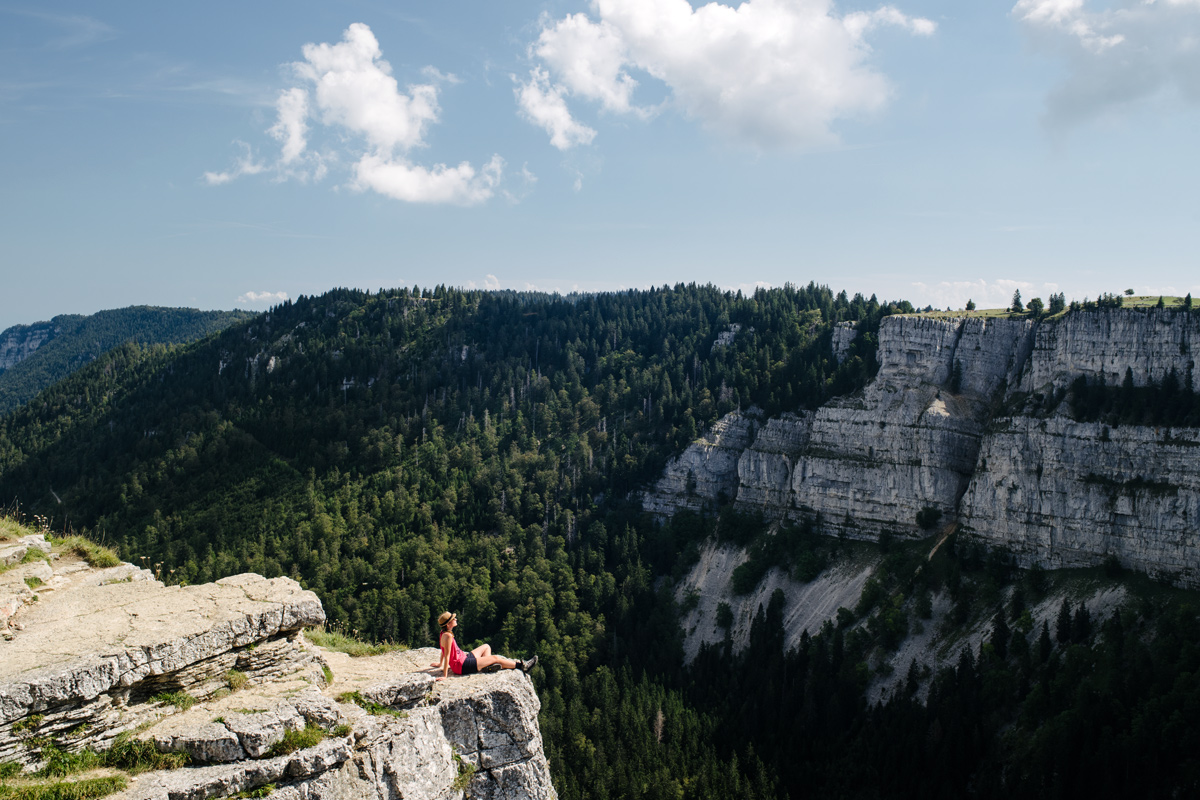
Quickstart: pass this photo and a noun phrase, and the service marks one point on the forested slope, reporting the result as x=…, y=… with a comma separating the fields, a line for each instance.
x=69, y=341
x=406, y=452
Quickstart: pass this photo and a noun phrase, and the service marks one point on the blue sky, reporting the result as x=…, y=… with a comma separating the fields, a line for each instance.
x=227, y=155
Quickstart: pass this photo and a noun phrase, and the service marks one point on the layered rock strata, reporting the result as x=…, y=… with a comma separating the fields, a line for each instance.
x=930, y=436
x=1062, y=494
x=20, y=341
x=908, y=443
x=223, y=674
x=1097, y=344
x=844, y=334
x=707, y=471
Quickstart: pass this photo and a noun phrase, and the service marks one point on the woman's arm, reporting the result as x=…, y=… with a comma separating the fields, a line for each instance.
x=444, y=666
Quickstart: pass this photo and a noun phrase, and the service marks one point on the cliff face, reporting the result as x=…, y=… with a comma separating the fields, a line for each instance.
x=928, y=436
x=20, y=341
x=92, y=655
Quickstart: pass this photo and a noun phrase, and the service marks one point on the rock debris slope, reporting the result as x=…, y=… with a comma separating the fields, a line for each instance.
x=940, y=431
x=223, y=673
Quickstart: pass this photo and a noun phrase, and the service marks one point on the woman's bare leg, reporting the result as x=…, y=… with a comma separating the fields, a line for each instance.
x=482, y=650
x=482, y=662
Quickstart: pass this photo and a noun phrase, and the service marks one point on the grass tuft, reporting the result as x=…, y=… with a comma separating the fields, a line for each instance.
x=369, y=706
x=297, y=740
x=94, y=554
x=181, y=700
x=136, y=755
x=236, y=679
x=465, y=771
x=60, y=763
x=341, y=643
x=261, y=791
x=28, y=725
x=64, y=790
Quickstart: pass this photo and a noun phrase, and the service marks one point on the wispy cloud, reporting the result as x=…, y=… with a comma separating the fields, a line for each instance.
x=1117, y=54
x=766, y=73
x=72, y=30
x=262, y=298
x=245, y=165
x=348, y=90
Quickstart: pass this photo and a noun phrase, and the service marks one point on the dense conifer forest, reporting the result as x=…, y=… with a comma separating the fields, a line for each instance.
x=406, y=452
x=75, y=340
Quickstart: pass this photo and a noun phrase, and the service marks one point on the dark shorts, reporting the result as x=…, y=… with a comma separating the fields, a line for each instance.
x=469, y=665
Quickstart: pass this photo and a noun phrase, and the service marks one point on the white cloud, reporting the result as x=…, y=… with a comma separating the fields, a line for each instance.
x=355, y=89
x=246, y=165
x=491, y=282
x=397, y=178
x=544, y=106
x=590, y=57
x=358, y=101
x=768, y=72
x=1117, y=55
x=290, y=128
x=257, y=298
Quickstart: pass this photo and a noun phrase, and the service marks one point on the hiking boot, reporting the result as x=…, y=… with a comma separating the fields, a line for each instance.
x=527, y=664
x=492, y=668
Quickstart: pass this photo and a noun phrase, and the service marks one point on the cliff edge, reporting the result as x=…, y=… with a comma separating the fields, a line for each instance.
x=966, y=422
x=220, y=678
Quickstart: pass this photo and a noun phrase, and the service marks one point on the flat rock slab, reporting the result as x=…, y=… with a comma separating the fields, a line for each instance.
x=100, y=635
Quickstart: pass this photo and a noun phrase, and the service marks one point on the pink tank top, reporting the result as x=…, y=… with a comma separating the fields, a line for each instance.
x=457, y=656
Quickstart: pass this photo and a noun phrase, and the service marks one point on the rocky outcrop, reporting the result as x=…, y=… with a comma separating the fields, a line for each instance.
x=807, y=606
x=1105, y=343
x=931, y=436
x=20, y=341
x=223, y=674
x=907, y=443
x=707, y=471
x=844, y=334
x=1064, y=494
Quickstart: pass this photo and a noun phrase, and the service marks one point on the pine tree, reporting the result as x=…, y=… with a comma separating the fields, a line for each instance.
x=1062, y=626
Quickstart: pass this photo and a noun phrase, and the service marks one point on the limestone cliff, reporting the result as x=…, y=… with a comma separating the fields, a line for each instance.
x=934, y=434
x=20, y=341
x=223, y=674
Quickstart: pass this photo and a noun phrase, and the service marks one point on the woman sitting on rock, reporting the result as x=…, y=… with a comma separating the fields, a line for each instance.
x=478, y=660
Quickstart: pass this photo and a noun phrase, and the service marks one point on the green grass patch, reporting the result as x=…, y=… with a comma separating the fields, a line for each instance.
x=236, y=679
x=465, y=772
x=28, y=724
x=297, y=740
x=262, y=791
x=60, y=763
x=181, y=700
x=64, y=790
x=33, y=581
x=369, y=706
x=327, y=672
x=137, y=755
x=341, y=643
x=94, y=554
x=9, y=769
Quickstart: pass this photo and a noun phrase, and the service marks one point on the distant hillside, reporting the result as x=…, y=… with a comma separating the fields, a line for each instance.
x=35, y=356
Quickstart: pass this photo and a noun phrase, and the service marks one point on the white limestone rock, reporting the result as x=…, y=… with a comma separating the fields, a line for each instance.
x=707, y=470
x=1063, y=494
